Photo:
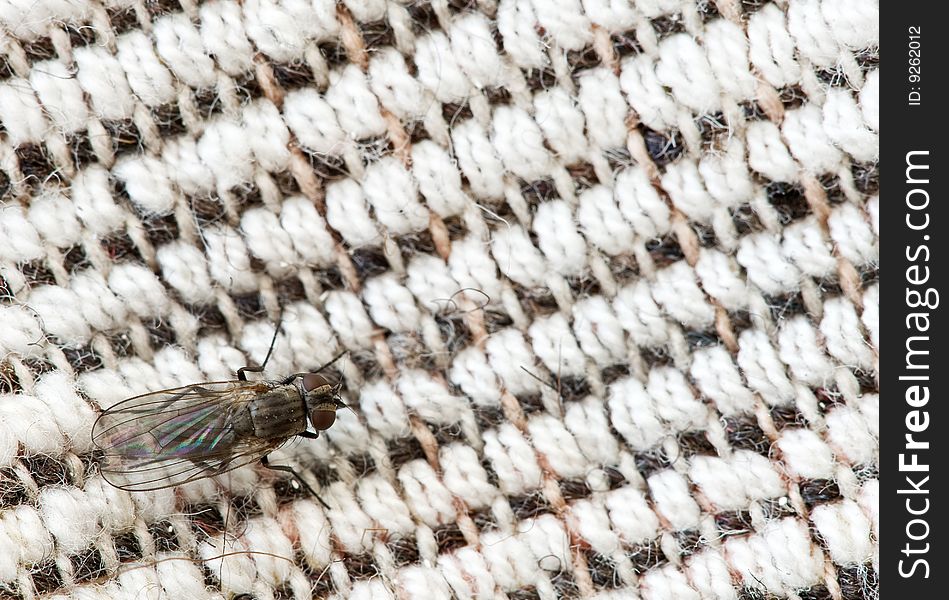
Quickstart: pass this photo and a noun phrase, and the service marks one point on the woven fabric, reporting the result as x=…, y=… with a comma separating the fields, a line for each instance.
x=606, y=273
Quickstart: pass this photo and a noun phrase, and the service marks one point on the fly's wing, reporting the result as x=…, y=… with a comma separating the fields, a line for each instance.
x=177, y=435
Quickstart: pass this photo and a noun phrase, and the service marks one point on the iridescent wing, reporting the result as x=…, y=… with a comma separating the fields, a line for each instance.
x=177, y=435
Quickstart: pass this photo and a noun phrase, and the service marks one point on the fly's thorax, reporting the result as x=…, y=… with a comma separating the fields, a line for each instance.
x=278, y=413
x=322, y=400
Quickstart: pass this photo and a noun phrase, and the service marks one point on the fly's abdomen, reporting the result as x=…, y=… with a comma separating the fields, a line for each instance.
x=278, y=414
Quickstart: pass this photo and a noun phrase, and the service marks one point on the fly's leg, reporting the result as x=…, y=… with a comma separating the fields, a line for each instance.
x=308, y=435
x=241, y=372
x=335, y=358
x=221, y=468
x=290, y=378
x=266, y=462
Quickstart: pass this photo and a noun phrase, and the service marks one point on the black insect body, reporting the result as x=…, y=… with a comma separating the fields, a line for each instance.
x=170, y=437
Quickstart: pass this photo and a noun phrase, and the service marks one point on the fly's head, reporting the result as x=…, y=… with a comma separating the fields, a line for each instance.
x=322, y=400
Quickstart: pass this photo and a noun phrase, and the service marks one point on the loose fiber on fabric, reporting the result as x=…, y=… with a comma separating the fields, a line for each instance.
x=606, y=272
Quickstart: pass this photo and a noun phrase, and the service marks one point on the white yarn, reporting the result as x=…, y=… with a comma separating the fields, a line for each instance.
x=60, y=94
x=555, y=345
x=512, y=459
x=22, y=115
x=94, y=204
x=558, y=238
x=677, y=291
x=518, y=258
x=552, y=439
x=31, y=425
x=594, y=309
x=870, y=100
x=762, y=368
x=838, y=316
x=356, y=108
x=645, y=93
x=772, y=48
x=684, y=186
x=603, y=105
x=54, y=218
x=349, y=437
x=381, y=502
x=732, y=483
x=666, y=582
x=717, y=377
x=464, y=475
x=785, y=543
x=808, y=247
x=727, y=53
x=438, y=180
x=767, y=267
x=472, y=267
x=670, y=491
x=844, y=125
x=593, y=523
x=726, y=175
x=348, y=213
x=800, y=350
x=562, y=122
x=99, y=305
x=805, y=454
x=23, y=243
x=101, y=76
x=181, y=581
x=684, y=69
x=472, y=373
x=640, y=204
x=588, y=423
x=807, y=140
x=767, y=153
x=848, y=431
x=519, y=143
x=851, y=232
x=633, y=415
x=601, y=221
x=639, y=314
x=190, y=174
x=721, y=280
x=25, y=536
x=510, y=562
x=392, y=193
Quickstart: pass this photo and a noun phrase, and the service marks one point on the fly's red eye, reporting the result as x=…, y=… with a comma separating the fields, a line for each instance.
x=322, y=419
x=312, y=381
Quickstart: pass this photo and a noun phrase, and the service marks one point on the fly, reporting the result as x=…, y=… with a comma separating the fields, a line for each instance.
x=170, y=437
